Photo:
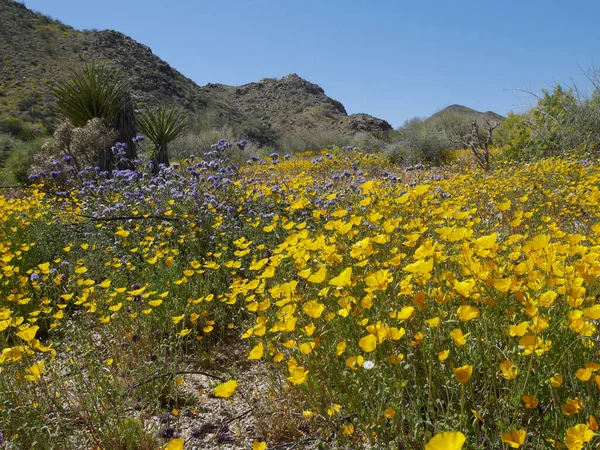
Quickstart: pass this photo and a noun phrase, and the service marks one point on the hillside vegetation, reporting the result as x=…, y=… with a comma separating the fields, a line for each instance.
x=36, y=50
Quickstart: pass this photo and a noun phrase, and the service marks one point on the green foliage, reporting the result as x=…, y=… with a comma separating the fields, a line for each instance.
x=514, y=133
x=398, y=154
x=198, y=140
x=303, y=140
x=199, y=137
x=99, y=92
x=255, y=131
x=425, y=140
x=17, y=129
x=562, y=120
x=553, y=117
x=92, y=92
x=162, y=126
x=28, y=101
x=18, y=160
x=7, y=143
x=130, y=435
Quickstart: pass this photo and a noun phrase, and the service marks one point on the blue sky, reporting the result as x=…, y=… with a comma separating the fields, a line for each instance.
x=393, y=59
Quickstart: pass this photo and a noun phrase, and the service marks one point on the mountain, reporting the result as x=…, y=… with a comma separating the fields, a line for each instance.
x=466, y=113
x=35, y=50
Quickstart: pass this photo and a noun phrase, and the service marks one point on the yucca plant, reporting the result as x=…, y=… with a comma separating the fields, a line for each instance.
x=98, y=92
x=161, y=126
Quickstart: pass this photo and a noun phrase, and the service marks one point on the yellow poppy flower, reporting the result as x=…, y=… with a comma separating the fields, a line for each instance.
x=463, y=373
x=514, y=438
x=368, y=343
x=449, y=440
x=225, y=390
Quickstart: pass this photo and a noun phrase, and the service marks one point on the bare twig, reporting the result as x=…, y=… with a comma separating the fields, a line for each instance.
x=171, y=374
x=525, y=92
x=142, y=217
x=241, y=416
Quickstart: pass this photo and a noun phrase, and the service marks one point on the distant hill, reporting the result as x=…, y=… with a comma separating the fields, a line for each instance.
x=35, y=50
x=467, y=113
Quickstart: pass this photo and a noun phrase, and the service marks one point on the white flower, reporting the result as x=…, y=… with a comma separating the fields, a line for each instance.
x=368, y=365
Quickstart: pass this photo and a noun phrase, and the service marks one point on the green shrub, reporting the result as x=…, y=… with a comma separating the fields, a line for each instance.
x=28, y=101
x=369, y=142
x=431, y=142
x=303, y=140
x=18, y=160
x=17, y=129
x=562, y=120
x=199, y=139
x=12, y=126
x=398, y=154
x=92, y=92
x=257, y=132
x=7, y=143
x=129, y=434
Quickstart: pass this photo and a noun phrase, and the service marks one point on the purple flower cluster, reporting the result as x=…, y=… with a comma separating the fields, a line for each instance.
x=221, y=145
x=415, y=167
x=207, y=189
x=391, y=177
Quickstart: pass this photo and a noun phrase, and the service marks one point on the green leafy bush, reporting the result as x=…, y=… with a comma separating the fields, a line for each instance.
x=17, y=129
x=7, y=143
x=18, y=161
x=425, y=140
x=562, y=120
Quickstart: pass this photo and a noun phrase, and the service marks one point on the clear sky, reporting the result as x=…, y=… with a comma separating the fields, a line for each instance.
x=392, y=59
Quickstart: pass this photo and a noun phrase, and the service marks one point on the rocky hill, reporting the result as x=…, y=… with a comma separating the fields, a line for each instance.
x=466, y=113
x=36, y=50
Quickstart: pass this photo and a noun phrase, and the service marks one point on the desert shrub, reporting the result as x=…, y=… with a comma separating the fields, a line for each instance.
x=400, y=155
x=7, y=143
x=85, y=145
x=18, y=159
x=99, y=92
x=369, y=142
x=45, y=33
x=37, y=112
x=17, y=129
x=257, y=132
x=563, y=119
x=514, y=132
x=199, y=139
x=304, y=139
x=431, y=142
x=90, y=93
x=28, y=101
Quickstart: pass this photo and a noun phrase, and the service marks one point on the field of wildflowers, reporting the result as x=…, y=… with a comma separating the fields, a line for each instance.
x=387, y=307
